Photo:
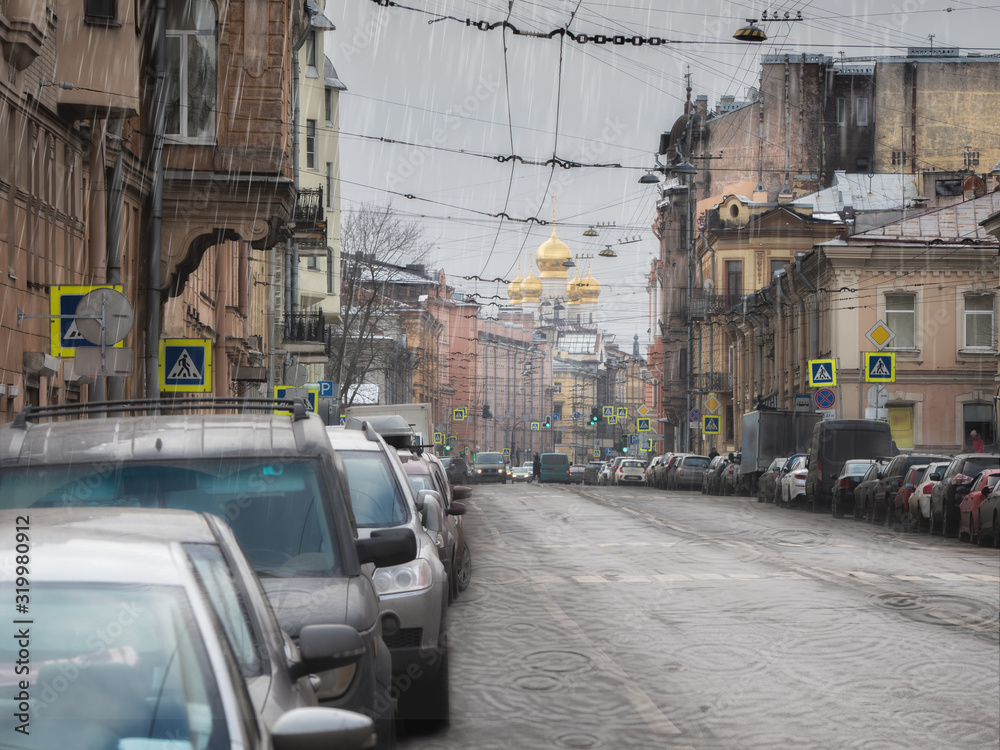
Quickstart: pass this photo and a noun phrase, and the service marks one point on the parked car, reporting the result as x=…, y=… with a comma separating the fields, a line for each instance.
x=521, y=473
x=489, y=467
x=891, y=480
x=901, y=504
x=710, y=476
x=413, y=596
x=792, y=487
x=768, y=481
x=954, y=485
x=591, y=472
x=668, y=470
x=866, y=487
x=660, y=472
x=989, y=519
x=729, y=479
x=969, y=518
x=651, y=470
x=195, y=654
x=630, y=471
x=555, y=468
x=688, y=472
x=576, y=473
x=836, y=441
x=604, y=478
x=844, y=488
x=275, y=479
x=920, y=500
x=456, y=468
x=425, y=472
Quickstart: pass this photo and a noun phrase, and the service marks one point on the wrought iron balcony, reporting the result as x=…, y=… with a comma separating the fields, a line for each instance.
x=714, y=382
x=703, y=305
x=307, y=326
x=309, y=208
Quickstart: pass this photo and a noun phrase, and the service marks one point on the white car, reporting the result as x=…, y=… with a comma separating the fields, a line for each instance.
x=793, y=483
x=920, y=499
x=630, y=471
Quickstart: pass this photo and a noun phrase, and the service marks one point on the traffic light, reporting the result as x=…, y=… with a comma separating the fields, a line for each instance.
x=548, y=421
x=447, y=447
x=623, y=442
x=487, y=413
x=595, y=415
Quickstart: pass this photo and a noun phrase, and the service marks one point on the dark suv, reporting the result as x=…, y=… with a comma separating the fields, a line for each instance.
x=456, y=469
x=272, y=476
x=947, y=494
x=891, y=479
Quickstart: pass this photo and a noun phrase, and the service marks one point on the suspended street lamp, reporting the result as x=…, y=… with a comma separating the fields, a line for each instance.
x=608, y=253
x=751, y=32
x=591, y=232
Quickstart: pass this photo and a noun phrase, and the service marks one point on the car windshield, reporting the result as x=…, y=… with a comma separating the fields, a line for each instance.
x=376, y=498
x=125, y=666
x=554, y=459
x=277, y=508
x=489, y=458
x=699, y=462
x=856, y=467
x=421, y=482
x=973, y=466
x=844, y=445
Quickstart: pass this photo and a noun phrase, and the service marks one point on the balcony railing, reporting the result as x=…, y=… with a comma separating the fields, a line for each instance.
x=703, y=305
x=308, y=326
x=309, y=208
x=717, y=382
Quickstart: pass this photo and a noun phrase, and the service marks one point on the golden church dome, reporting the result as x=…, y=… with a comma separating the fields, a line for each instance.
x=514, y=291
x=589, y=287
x=550, y=257
x=573, y=290
x=531, y=289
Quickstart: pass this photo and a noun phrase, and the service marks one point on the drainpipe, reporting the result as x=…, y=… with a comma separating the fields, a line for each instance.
x=784, y=371
x=711, y=270
x=815, y=305
x=97, y=238
x=115, y=385
x=769, y=298
x=153, y=281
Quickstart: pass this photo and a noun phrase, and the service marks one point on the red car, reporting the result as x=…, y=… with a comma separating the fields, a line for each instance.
x=968, y=509
x=901, y=502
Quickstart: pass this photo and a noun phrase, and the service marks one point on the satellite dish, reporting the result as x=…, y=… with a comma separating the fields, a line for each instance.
x=975, y=185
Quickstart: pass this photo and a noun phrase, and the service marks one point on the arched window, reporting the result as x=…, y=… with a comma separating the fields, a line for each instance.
x=191, y=70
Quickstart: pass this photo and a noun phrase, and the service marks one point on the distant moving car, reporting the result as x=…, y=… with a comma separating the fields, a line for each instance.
x=555, y=468
x=155, y=632
x=969, y=518
x=576, y=473
x=489, y=467
x=591, y=472
x=768, y=482
x=521, y=473
x=851, y=475
x=630, y=471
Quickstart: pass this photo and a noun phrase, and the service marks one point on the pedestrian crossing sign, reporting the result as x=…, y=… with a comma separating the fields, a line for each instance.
x=536, y=426
x=880, y=367
x=596, y=452
x=65, y=336
x=822, y=372
x=612, y=419
x=458, y=414
x=642, y=424
x=710, y=424
x=622, y=413
x=309, y=395
x=609, y=411
x=185, y=365
x=438, y=438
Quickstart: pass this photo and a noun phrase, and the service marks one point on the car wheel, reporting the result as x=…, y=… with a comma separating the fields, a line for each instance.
x=931, y=526
x=385, y=723
x=463, y=574
x=958, y=535
x=996, y=529
x=981, y=539
x=833, y=508
x=429, y=704
x=944, y=519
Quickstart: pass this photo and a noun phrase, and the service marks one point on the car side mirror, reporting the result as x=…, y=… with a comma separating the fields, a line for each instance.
x=935, y=477
x=325, y=647
x=461, y=492
x=387, y=547
x=457, y=509
x=303, y=728
x=423, y=495
x=894, y=484
x=432, y=515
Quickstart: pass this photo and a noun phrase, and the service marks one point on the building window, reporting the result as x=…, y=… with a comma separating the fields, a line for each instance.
x=329, y=184
x=558, y=388
x=312, y=263
x=328, y=105
x=900, y=316
x=841, y=111
x=777, y=265
x=310, y=144
x=191, y=70
x=100, y=9
x=861, y=111
x=979, y=321
x=734, y=278
x=310, y=51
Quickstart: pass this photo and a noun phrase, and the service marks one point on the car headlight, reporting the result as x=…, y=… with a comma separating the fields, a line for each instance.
x=398, y=579
x=333, y=683
x=479, y=471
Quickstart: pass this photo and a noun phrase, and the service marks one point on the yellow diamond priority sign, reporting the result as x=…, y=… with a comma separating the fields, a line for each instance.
x=880, y=335
x=711, y=403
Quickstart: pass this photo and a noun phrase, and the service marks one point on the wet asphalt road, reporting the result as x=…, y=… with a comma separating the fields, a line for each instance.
x=605, y=617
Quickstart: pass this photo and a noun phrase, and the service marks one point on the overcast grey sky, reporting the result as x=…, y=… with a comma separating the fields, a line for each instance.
x=445, y=85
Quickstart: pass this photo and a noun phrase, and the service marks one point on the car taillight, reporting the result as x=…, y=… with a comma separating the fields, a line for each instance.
x=800, y=475
x=845, y=482
x=681, y=472
x=962, y=479
x=927, y=488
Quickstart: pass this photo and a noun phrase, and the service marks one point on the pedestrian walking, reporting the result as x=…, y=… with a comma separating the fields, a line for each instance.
x=977, y=442
x=536, y=468
x=712, y=453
